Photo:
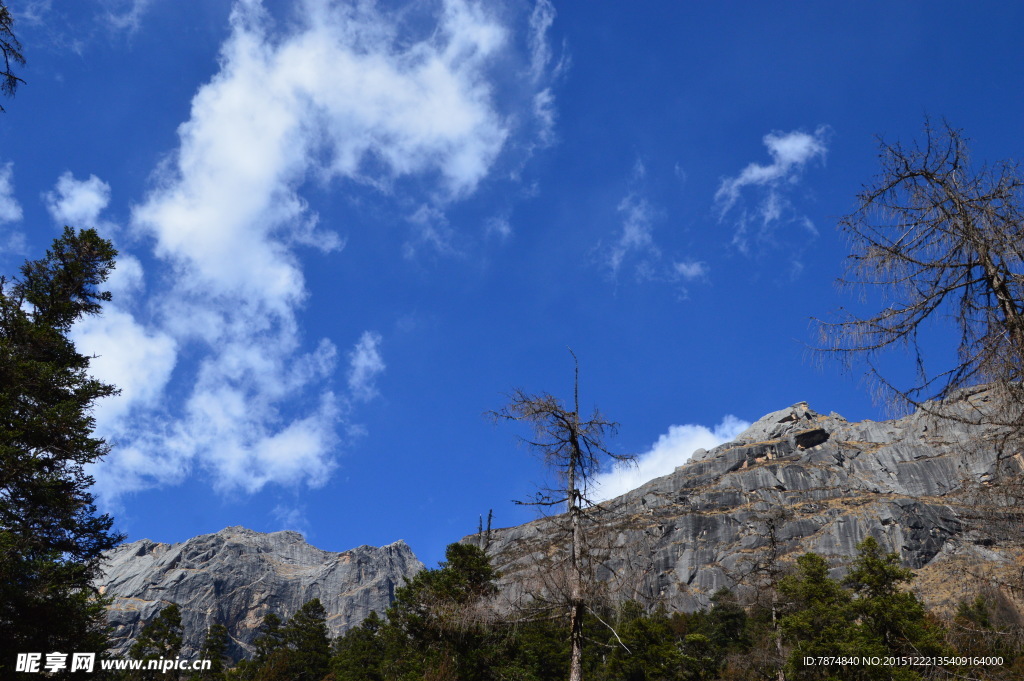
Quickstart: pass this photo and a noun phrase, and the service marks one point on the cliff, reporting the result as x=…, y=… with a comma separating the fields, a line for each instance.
x=235, y=576
x=931, y=489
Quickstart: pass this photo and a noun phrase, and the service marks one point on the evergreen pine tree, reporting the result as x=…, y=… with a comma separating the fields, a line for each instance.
x=309, y=642
x=160, y=639
x=819, y=619
x=215, y=649
x=51, y=538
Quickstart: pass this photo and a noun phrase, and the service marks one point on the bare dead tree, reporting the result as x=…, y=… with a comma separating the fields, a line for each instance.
x=762, y=571
x=10, y=51
x=573, y=448
x=944, y=243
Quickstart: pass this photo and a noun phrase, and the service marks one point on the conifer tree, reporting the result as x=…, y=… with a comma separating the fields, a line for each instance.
x=51, y=538
x=215, y=649
x=160, y=639
x=820, y=617
x=309, y=642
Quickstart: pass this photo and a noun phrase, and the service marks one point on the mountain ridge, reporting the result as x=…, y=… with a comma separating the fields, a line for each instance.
x=237, y=575
x=795, y=481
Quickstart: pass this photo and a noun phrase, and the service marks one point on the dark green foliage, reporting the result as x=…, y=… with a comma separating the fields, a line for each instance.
x=308, y=641
x=819, y=618
x=271, y=637
x=297, y=651
x=442, y=626
x=441, y=618
x=889, y=617
x=429, y=634
x=51, y=538
x=160, y=639
x=215, y=649
x=358, y=654
x=872, y=616
x=269, y=640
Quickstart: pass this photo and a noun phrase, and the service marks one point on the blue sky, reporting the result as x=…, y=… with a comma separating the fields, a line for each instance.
x=349, y=228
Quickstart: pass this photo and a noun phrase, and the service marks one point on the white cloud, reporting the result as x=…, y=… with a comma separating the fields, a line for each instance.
x=127, y=278
x=10, y=209
x=636, y=245
x=291, y=518
x=790, y=152
x=126, y=15
x=347, y=93
x=364, y=365
x=636, y=238
x=672, y=449
x=78, y=202
x=498, y=226
x=541, y=70
x=690, y=269
x=432, y=230
x=137, y=360
x=637, y=226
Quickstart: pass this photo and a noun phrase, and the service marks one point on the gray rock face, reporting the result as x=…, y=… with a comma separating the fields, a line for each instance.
x=795, y=481
x=235, y=576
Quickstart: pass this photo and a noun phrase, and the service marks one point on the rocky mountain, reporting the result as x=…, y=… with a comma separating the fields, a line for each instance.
x=235, y=576
x=930, y=488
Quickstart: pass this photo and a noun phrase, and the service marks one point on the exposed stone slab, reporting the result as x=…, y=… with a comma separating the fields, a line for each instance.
x=235, y=576
x=822, y=483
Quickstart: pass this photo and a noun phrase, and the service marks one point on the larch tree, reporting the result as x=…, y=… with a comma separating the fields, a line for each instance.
x=573, y=447
x=944, y=243
x=10, y=52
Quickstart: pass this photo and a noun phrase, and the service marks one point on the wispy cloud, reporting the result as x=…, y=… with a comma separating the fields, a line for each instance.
x=672, y=449
x=635, y=243
x=10, y=209
x=291, y=518
x=347, y=94
x=12, y=239
x=125, y=15
x=689, y=270
x=364, y=365
x=771, y=184
x=635, y=239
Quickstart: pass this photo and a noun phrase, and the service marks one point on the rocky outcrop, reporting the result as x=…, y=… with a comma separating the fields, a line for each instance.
x=795, y=481
x=928, y=487
x=235, y=576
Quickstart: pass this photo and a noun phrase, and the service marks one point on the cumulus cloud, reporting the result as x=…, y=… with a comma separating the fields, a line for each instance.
x=347, y=93
x=672, y=449
x=136, y=359
x=790, y=153
x=78, y=202
x=10, y=209
x=364, y=365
